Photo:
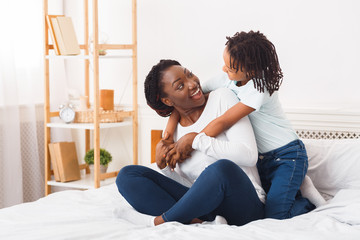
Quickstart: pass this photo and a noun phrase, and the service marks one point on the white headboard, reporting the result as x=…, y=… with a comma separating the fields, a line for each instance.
x=325, y=124
x=309, y=123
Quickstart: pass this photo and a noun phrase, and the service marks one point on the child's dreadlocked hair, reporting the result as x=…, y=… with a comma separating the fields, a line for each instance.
x=154, y=89
x=254, y=53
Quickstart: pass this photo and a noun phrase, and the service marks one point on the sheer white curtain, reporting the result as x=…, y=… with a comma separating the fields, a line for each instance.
x=21, y=95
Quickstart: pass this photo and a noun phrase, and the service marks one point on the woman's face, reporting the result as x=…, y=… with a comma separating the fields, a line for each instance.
x=182, y=89
x=234, y=75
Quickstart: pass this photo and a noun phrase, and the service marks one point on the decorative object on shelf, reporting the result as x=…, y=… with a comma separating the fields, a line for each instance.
x=107, y=99
x=105, y=116
x=67, y=113
x=84, y=100
x=103, y=39
x=105, y=159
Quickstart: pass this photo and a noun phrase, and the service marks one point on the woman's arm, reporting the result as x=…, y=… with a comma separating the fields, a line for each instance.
x=161, y=149
x=213, y=129
x=239, y=146
x=239, y=143
x=180, y=152
x=183, y=148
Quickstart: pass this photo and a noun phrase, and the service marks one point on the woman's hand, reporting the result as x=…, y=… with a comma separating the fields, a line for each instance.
x=181, y=150
x=162, y=149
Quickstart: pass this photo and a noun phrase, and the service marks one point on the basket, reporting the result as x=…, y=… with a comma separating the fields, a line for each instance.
x=105, y=116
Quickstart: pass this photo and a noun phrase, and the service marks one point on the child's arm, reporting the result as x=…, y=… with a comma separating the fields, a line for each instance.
x=171, y=125
x=174, y=157
x=229, y=118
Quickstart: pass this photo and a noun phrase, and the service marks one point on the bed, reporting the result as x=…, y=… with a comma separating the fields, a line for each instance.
x=334, y=166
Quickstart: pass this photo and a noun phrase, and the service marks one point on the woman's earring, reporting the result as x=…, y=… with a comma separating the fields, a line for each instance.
x=167, y=102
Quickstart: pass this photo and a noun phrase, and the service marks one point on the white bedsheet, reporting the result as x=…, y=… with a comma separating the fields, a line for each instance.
x=90, y=214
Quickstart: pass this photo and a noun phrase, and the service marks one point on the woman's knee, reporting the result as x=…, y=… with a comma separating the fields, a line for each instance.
x=224, y=167
x=126, y=174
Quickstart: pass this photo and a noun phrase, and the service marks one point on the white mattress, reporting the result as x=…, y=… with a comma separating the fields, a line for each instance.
x=90, y=214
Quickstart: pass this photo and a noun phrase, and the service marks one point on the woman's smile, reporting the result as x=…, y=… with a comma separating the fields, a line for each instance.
x=197, y=94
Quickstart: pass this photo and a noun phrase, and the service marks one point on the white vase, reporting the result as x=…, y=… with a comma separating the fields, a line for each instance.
x=103, y=168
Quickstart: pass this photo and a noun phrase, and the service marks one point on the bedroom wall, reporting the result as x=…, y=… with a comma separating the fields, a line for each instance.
x=316, y=41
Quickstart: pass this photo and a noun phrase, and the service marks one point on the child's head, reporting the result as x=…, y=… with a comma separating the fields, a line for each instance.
x=252, y=56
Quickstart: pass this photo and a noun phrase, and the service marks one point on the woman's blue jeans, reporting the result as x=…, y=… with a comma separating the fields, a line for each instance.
x=221, y=189
x=282, y=172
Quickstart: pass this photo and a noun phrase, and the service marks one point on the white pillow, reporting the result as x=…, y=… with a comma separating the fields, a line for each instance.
x=334, y=164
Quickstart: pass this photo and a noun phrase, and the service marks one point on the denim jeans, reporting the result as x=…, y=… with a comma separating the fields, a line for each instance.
x=282, y=171
x=221, y=189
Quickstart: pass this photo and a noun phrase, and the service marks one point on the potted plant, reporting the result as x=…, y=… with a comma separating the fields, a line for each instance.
x=105, y=159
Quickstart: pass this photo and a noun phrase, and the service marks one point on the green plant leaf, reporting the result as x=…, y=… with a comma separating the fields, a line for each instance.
x=105, y=157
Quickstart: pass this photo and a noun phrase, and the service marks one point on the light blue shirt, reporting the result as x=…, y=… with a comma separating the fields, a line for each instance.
x=271, y=127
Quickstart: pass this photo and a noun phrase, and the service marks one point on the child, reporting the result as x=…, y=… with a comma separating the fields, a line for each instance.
x=254, y=74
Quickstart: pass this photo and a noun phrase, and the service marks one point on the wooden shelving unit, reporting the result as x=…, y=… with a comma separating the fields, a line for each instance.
x=88, y=181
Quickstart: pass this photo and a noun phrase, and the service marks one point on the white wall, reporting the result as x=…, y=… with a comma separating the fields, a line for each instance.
x=317, y=43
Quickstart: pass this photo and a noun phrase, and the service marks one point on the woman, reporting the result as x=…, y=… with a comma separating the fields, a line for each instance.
x=203, y=186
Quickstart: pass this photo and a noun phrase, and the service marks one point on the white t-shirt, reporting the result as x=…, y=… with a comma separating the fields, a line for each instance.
x=271, y=127
x=236, y=144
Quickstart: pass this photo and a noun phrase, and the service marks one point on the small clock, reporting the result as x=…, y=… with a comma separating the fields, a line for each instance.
x=67, y=113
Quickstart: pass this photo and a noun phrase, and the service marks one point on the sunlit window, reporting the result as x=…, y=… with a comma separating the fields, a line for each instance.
x=21, y=49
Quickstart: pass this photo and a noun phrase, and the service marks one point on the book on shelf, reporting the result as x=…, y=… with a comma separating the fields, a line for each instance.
x=64, y=36
x=66, y=161
x=54, y=162
x=52, y=33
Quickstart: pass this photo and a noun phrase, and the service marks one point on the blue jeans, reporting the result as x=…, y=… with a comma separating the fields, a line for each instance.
x=282, y=171
x=221, y=189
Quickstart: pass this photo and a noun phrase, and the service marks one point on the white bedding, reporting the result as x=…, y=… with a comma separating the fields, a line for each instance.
x=91, y=214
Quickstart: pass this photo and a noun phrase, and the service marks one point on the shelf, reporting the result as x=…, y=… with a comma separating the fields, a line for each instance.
x=88, y=125
x=89, y=55
x=86, y=182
